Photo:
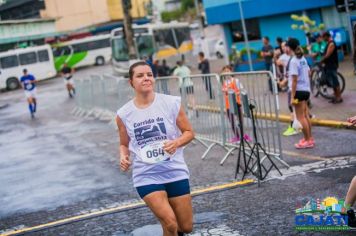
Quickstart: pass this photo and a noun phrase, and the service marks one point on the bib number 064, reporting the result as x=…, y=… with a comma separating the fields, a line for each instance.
x=155, y=152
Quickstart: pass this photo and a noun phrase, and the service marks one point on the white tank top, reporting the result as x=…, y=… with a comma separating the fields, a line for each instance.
x=147, y=129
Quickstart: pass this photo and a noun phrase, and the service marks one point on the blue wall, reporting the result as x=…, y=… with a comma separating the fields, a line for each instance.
x=223, y=11
x=280, y=26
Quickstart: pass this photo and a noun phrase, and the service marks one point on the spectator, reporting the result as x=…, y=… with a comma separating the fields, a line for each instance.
x=331, y=61
x=186, y=83
x=318, y=47
x=267, y=53
x=278, y=50
x=204, y=67
x=164, y=70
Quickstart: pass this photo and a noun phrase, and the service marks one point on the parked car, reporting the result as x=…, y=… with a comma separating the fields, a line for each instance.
x=220, y=48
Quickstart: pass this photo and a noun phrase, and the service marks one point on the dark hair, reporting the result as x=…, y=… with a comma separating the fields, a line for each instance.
x=292, y=43
x=24, y=71
x=266, y=38
x=201, y=54
x=279, y=40
x=326, y=34
x=299, y=52
x=136, y=64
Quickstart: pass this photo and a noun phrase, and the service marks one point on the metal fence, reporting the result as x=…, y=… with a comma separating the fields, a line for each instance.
x=204, y=102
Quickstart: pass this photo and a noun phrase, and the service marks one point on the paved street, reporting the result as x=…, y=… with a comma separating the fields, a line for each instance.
x=60, y=165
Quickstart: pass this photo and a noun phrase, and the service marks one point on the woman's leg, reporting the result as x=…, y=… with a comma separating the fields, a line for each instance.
x=307, y=117
x=299, y=110
x=183, y=210
x=160, y=206
x=351, y=194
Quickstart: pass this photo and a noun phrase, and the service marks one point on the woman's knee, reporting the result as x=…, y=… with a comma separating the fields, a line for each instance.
x=186, y=227
x=170, y=224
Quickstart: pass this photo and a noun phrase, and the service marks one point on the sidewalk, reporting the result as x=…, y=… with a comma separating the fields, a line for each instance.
x=326, y=114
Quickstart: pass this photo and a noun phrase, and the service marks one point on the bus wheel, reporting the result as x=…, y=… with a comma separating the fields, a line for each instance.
x=12, y=83
x=99, y=61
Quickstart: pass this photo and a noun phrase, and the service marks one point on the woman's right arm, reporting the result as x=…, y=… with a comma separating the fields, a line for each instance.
x=124, y=145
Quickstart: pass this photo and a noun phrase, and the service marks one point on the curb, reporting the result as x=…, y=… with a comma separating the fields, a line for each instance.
x=286, y=118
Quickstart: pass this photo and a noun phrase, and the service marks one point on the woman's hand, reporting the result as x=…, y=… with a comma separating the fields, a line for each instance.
x=170, y=146
x=125, y=163
x=352, y=120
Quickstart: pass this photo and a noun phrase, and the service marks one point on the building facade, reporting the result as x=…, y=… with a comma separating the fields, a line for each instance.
x=272, y=18
x=79, y=14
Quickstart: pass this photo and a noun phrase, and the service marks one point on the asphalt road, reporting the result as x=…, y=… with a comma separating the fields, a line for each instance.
x=59, y=165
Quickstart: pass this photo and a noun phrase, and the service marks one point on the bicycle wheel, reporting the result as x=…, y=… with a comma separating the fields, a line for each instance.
x=328, y=92
x=314, y=82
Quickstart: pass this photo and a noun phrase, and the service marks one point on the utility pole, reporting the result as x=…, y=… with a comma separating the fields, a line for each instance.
x=247, y=44
x=126, y=7
x=349, y=26
x=201, y=27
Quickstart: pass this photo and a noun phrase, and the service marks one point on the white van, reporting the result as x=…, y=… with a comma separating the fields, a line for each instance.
x=37, y=60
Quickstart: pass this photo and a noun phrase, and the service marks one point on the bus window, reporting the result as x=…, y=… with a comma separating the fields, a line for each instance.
x=27, y=58
x=43, y=56
x=144, y=45
x=61, y=51
x=182, y=35
x=103, y=43
x=164, y=38
x=8, y=62
x=120, y=51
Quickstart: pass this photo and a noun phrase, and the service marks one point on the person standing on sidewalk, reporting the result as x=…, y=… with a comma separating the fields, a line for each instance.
x=186, y=83
x=204, y=68
x=28, y=83
x=153, y=129
x=299, y=84
x=67, y=74
x=284, y=61
x=267, y=53
x=331, y=61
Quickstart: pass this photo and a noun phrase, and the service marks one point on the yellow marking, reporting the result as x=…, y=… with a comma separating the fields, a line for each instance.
x=124, y=207
x=282, y=118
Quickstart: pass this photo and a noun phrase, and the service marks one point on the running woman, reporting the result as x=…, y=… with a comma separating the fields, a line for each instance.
x=28, y=83
x=153, y=129
x=67, y=74
x=299, y=85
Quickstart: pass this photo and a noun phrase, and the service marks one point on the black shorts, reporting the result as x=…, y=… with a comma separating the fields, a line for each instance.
x=188, y=90
x=173, y=189
x=331, y=77
x=302, y=95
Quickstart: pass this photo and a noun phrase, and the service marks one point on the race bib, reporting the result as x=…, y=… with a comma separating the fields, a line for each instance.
x=153, y=153
x=28, y=86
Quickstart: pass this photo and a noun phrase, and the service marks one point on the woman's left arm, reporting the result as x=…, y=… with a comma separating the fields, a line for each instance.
x=187, y=133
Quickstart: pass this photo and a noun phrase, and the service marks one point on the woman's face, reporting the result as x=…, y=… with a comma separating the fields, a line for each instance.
x=142, y=80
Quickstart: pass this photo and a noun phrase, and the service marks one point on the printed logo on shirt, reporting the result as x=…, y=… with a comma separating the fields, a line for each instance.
x=150, y=135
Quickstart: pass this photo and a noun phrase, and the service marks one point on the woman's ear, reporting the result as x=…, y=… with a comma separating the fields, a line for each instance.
x=131, y=83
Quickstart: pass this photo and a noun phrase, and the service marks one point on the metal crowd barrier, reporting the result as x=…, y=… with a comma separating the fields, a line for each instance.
x=204, y=102
x=261, y=90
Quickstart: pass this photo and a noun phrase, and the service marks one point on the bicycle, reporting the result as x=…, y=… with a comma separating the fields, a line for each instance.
x=319, y=84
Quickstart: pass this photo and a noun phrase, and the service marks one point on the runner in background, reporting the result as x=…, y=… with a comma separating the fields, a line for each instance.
x=153, y=129
x=28, y=83
x=67, y=74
